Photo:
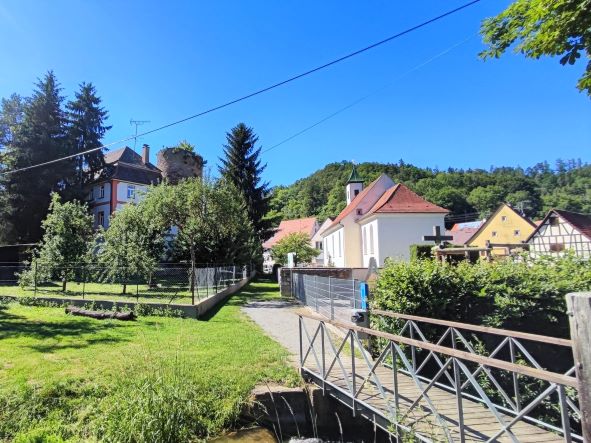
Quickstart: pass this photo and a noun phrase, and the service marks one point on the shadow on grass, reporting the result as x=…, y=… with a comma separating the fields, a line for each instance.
x=87, y=332
x=260, y=289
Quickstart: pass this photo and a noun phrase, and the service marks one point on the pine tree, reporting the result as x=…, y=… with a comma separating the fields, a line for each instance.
x=39, y=138
x=85, y=131
x=242, y=167
x=11, y=116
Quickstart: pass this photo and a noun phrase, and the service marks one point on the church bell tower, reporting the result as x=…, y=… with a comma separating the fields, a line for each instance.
x=354, y=185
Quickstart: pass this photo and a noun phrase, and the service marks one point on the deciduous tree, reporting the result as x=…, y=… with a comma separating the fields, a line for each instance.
x=297, y=242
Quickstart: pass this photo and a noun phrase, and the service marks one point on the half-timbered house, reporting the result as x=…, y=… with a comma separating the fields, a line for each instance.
x=562, y=231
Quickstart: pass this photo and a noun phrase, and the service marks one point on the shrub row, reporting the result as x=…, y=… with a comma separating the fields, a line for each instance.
x=526, y=295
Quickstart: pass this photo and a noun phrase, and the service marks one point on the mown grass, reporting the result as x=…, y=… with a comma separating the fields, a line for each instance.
x=65, y=378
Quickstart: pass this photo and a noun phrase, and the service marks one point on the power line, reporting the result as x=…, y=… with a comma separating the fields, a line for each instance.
x=260, y=91
x=359, y=100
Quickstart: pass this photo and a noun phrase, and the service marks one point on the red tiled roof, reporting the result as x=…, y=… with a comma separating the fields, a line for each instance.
x=400, y=199
x=286, y=227
x=351, y=206
x=581, y=222
x=462, y=235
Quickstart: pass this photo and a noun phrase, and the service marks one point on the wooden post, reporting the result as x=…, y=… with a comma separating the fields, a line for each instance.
x=579, y=311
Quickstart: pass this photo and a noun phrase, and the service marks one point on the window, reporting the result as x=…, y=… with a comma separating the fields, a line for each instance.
x=100, y=218
x=359, y=211
x=130, y=191
x=371, y=239
x=554, y=221
x=340, y=248
x=319, y=245
x=356, y=192
x=556, y=247
x=102, y=191
x=494, y=233
x=516, y=232
x=504, y=218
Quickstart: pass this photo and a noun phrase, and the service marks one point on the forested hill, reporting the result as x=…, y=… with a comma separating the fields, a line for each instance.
x=467, y=193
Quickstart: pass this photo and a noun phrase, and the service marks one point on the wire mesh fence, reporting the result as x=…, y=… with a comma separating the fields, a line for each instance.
x=330, y=296
x=168, y=283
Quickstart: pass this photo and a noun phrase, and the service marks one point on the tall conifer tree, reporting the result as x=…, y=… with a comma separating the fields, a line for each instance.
x=242, y=167
x=39, y=138
x=86, y=128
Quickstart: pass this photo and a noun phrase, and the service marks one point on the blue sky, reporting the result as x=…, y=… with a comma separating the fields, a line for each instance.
x=161, y=61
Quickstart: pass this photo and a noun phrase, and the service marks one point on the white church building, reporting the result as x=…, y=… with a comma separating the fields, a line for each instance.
x=380, y=221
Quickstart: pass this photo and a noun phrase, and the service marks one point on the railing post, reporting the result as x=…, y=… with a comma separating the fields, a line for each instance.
x=579, y=311
x=412, y=348
x=564, y=414
x=353, y=381
x=514, y=375
x=354, y=295
x=458, y=386
x=301, y=344
x=323, y=355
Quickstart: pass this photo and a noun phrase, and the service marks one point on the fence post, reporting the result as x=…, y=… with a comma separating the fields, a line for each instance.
x=35, y=278
x=83, y=281
x=579, y=312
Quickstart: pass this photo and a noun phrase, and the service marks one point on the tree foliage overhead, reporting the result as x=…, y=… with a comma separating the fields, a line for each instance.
x=473, y=191
x=543, y=27
x=242, y=167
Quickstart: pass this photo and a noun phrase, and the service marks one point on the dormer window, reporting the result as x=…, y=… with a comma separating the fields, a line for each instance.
x=359, y=212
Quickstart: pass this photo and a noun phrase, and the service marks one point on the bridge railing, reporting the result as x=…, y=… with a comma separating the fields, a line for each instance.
x=433, y=391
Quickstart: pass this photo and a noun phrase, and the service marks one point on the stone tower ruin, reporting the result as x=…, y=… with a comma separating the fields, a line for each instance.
x=177, y=164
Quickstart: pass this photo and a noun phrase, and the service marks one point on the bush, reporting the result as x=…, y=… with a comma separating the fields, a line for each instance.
x=418, y=252
x=527, y=295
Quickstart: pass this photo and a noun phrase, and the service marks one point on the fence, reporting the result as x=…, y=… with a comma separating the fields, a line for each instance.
x=332, y=297
x=162, y=283
x=435, y=391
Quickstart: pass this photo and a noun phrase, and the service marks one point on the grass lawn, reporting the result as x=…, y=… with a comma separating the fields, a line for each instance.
x=155, y=379
x=110, y=291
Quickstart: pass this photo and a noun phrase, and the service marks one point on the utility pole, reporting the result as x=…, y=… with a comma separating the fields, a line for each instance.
x=137, y=123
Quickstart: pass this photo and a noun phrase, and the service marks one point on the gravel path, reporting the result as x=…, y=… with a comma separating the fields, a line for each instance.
x=279, y=320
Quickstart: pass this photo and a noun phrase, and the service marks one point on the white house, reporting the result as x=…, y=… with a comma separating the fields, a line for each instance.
x=308, y=226
x=380, y=221
x=317, y=242
x=125, y=177
x=562, y=231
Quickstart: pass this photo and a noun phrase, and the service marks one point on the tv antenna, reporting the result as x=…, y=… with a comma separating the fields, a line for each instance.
x=137, y=123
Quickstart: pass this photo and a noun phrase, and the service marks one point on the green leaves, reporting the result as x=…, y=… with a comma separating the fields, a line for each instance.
x=297, y=242
x=543, y=27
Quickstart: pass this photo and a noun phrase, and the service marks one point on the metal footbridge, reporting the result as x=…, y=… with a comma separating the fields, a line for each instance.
x=433, y=381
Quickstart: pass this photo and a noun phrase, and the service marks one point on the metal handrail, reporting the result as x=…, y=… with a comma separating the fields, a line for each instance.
x=542, y=374
x=451, y=359
x=477, y=328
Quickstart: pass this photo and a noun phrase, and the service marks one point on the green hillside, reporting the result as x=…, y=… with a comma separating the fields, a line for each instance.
x=467, y=193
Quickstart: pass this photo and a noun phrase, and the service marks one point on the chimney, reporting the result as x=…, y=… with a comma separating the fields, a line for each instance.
x=145, y=154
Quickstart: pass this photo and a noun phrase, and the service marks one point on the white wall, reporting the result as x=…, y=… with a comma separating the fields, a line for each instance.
x=122, y=192
x=396, y=232
x=333, y=249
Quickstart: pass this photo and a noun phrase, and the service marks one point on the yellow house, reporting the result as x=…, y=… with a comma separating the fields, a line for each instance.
x=505, y=226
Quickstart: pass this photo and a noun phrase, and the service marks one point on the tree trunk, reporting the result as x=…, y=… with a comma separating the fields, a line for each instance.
x=100, y=315
x=64, y=282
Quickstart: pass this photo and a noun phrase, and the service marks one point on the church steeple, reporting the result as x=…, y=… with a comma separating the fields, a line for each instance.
x=354, y=185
